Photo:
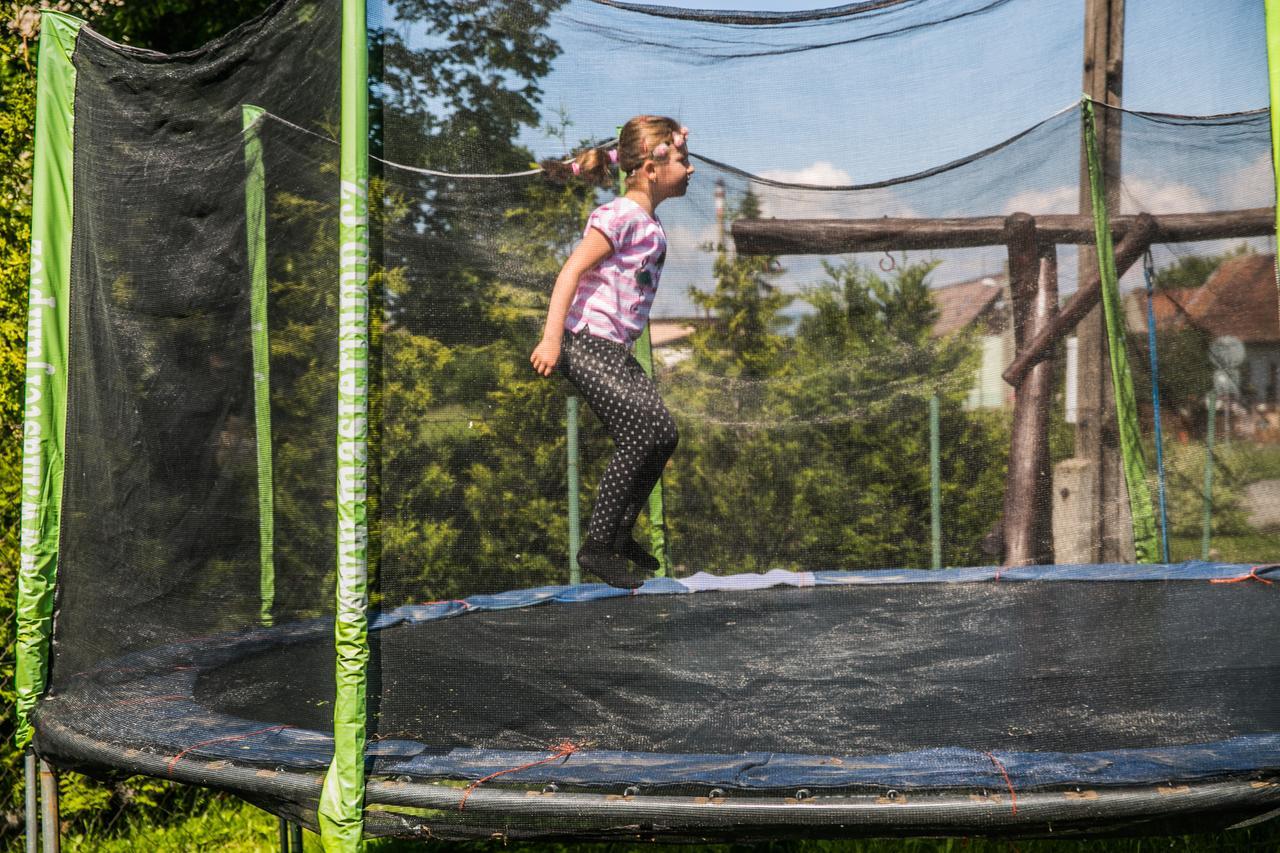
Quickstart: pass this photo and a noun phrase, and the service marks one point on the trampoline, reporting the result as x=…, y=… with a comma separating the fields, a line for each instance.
x=722, y=707
x=298, y=517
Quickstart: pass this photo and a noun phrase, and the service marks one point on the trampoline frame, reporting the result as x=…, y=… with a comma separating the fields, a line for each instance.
x=1187, y=799
x=521, y=812
x=507, y=807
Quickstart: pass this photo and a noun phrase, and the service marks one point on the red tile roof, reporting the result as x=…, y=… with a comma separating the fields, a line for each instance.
x=961, y=304
x=1240, y=299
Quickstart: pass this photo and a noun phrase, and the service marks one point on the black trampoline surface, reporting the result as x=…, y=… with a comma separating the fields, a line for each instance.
x=1055, y=667
x=1047, y=680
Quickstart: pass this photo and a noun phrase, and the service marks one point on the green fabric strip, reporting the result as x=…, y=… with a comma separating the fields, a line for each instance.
x=1273, y=75
x=255, y=217
x=341, y=811
x=45, y=404
x=657, y=513
x=1145, y=542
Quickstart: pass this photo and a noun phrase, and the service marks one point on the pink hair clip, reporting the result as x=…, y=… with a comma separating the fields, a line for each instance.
x=660, y=151
x=613, y=155
x=577, y=170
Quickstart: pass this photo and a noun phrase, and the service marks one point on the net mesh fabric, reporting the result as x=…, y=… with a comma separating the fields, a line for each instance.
x=801, y=383
x=161, y=543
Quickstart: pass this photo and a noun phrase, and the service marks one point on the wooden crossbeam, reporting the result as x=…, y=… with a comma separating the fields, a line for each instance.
x=842, y=236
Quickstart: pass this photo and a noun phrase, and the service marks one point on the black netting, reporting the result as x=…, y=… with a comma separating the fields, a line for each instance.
x=162, y=532
x=831, y=333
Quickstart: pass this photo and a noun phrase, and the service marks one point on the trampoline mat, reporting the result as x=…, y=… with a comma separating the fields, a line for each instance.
x=1031, y=666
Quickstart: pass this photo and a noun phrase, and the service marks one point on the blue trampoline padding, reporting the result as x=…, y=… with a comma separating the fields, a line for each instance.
x=1189, y=571
x=934, y=768
x=158, y=686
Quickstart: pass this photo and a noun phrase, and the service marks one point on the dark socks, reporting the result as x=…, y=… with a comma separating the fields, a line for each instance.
x=608, y=565
x=638, y=554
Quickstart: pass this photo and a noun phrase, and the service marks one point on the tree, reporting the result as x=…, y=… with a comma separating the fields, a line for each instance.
x=457, y=102
x=1194, y=270
x=821, y=461
x=743, y=337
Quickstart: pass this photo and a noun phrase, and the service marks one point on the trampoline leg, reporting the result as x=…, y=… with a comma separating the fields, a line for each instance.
x=51, y=831
x=284, y=835
x=295, y=834
x=32, y=810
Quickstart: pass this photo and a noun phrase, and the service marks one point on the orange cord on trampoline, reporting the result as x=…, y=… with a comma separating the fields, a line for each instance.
x=1013, y=795
x=178, y=757
x=1253, y=575
x=562, y=751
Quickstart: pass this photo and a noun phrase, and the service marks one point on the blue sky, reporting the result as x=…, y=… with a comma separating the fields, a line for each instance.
x=861, y=111
x=1182, y=56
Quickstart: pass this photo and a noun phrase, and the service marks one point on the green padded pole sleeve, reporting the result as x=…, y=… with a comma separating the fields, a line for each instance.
x=341, y=812
x=1273, y=75
x=1145, y=543
x=935, y=481
x=255, y=218
x=45, y=397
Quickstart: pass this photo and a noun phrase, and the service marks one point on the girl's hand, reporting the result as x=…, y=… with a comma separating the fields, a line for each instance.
x=545, y=356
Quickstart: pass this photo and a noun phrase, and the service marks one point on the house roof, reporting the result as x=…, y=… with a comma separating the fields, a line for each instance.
x=961, y=304
x=1240, y=299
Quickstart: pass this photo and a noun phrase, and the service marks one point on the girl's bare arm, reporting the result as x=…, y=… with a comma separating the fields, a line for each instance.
x=593, y=249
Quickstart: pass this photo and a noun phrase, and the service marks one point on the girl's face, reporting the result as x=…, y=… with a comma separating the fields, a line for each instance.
x=673, y=176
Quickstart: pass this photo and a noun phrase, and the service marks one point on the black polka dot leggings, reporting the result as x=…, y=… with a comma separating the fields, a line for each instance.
x=626, y=401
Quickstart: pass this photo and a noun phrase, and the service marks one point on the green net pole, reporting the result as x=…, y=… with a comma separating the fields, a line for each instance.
x=45, y=385
x=657, y=511
x=575, y=504
x=1273, y=76
x=255, y=217
x=1145, y=539
x=341, y=809
x=935, y=481
x=1206, y=536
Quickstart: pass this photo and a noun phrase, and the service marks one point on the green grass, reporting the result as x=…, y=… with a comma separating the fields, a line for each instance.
x=230, y=826
x=1252, y=547
x=225, y=824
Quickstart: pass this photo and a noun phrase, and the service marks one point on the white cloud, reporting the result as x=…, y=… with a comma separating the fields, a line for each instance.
x=1144, y=195
x=1061, y=199
x=821, y=173
x=795, y=203
x=1136, y=194
x=1251, y=186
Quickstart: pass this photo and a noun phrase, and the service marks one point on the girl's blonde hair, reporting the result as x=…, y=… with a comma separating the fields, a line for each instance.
x=639, y=138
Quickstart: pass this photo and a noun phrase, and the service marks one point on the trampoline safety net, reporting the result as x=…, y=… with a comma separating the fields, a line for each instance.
x=962, y=535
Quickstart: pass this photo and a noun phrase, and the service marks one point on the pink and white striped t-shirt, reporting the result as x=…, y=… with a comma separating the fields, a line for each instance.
x=614, y=298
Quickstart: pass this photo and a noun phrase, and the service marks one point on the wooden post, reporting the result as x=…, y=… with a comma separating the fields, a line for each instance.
x=1083, y=301
x=1033, y=283
x=1097, y=442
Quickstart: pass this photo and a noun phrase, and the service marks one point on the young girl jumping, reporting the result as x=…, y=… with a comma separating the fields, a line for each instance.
x=599, y=306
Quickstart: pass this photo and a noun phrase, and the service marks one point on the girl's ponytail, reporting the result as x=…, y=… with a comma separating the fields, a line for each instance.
x=643, y=137
x=593, y=166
